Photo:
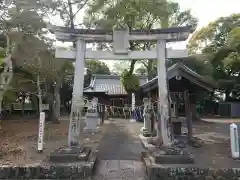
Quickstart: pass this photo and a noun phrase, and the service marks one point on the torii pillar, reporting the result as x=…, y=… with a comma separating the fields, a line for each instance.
x=77, y=101
x=163, y=103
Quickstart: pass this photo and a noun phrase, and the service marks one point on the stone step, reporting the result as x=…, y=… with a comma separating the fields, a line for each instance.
x=120, y=169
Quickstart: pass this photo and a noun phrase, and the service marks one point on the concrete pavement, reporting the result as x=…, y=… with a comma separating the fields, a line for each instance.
x=120, y=152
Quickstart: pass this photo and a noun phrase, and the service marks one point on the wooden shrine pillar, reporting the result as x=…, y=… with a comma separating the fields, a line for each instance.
x=192, y=100
x=188, y=115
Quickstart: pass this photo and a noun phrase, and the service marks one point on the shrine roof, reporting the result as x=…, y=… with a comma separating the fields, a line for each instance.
x=189, y=29
x=110, y=84
x=185, y=72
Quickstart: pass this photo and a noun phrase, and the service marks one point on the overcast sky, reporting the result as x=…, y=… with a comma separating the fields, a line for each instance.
x=205, y=10
x=209, y=10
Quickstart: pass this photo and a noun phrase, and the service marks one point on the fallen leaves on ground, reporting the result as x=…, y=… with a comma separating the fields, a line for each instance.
x=16, y=133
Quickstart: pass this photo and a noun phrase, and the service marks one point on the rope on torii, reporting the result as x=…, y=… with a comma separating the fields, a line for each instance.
x=6, y=75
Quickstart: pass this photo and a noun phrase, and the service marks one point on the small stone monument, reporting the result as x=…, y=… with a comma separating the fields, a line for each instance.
x=234, y=141
x=92, y=117
x=147, y=117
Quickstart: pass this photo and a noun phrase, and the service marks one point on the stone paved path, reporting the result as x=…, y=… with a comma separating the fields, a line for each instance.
x=120, y=152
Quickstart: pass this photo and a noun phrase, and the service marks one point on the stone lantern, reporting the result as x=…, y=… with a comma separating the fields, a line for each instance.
x=92, y=117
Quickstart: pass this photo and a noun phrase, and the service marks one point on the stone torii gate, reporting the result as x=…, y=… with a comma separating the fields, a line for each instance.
x=120, y=38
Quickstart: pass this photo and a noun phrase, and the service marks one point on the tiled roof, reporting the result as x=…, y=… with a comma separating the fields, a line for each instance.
x=187, y=73
x=110, y=84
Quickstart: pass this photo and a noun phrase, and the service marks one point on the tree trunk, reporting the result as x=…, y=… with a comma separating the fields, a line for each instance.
x=133, y=62
x=149, y=69
x=71, y=18
x=22, y=102
x=1, y=112
x=57, y=100
x=227, y=95
x=52, y=109
x=34, y=102
x=67, y=106
x=52, y=105
x=39, y=94
x=147, y=46
x=23, y=110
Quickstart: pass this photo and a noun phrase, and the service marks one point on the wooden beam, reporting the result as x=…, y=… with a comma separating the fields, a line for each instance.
x=108, y=55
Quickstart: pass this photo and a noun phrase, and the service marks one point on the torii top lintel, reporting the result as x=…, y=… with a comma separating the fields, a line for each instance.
x=97, y=35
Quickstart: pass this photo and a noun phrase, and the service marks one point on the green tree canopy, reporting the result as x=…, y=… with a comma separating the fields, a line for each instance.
x=97, y=67
x=143, y=14
x=219, y=40
x=213, y=36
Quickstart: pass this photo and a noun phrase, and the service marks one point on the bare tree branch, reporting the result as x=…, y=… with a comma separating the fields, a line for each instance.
x=85, y=2
x=144, y=63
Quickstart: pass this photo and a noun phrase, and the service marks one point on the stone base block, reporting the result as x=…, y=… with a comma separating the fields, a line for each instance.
x=67, y=154
x=145, y=143
x=163, y=157
x=183, y=171
x=132, y=120
x=88, y=130
x=147, y=134
x=166, y=155
x=143, y=129
x=49, y=170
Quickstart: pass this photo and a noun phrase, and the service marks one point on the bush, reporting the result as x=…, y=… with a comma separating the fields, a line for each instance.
x=130, y=82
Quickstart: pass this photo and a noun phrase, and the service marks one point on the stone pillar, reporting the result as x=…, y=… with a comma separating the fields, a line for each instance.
x=163, y=104
x=77, y=99
x=133, y=108
x=98, y=110
x=100, y=113
x=92, y=117
x=173, y=109
x=146, y=114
